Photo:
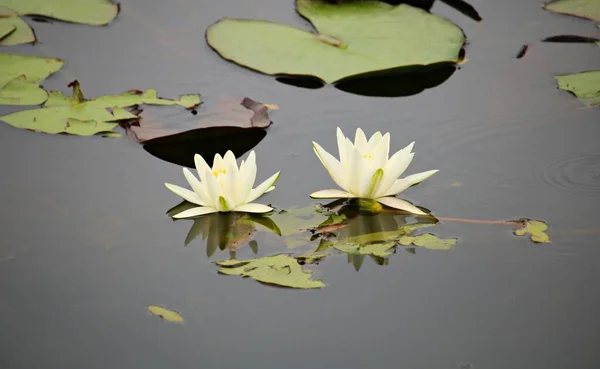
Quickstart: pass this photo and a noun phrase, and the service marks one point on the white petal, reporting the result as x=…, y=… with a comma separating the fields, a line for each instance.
x=355, y=172
x=253, y=208
x=360, y=140
x=404, y=183
x=194, y=212
x=396, y=203
x=392, y=170
x=262, y=188
x=197, y=186
x=186, y=194
x=341, y=142
x=270, y=189
x=381, y=151
x=201, y=167
x=247, y=175
x=331, y=194
x=333, y=166
x=231, y=179
x=217, y=162
x=374, y=141
x=212, y=189
x=225, y=204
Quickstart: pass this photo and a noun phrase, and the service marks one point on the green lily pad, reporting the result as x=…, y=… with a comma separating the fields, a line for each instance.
x=166, y=314
x=281, y=270
x=82, y=117
x=585, y=85
x=21, y=34
x=428, y=241
x=20, y=76
x=93, y=12
x=6, y=28
x=352, y=38
x=589, y=9
x=536, y=229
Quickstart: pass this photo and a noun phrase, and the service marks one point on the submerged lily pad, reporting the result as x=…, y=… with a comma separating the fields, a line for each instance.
x=281, y=270
x=21, y=32
x=166, y=314
x=589, y=9
x=77, y=116
x=428, y=241
x=20, y=76
x=94, y=12
x=353, y=38
x=585, y=85
x=536, y=229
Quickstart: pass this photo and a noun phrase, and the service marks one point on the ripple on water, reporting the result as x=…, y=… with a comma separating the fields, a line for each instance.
x=577, y=175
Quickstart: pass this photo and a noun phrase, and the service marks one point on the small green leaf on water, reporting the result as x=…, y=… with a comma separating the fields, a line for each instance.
x=311, y=257
x=21, y=34
x=281, y=270
x=5, y=29
x=166, y=314
x=536, y=229
x=585, y=85
x=353, y=38
x=589, y=9
x=20, y=76
x=428, y=241
x=93, y=12
x=376, y=249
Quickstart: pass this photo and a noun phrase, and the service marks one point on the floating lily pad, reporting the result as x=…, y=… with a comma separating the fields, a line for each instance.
x=428, y=241
x=78, y=116
x=93, y=12
x=376, y=249
x=585, y=85
x=353, y=38
x=21, y=34
x=589, y=9
x=281, y=270
x=166, y=314
x=20, y=76
x=6, y=28
x=536, y=229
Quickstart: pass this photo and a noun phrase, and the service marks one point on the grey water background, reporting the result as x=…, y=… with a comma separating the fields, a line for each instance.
x=86, y=244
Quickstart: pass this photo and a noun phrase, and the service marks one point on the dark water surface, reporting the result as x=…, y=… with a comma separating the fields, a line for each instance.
x=86, y=244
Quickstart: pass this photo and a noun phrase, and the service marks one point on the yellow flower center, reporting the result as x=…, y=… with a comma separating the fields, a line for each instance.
x=217, y=172
x=368, y=156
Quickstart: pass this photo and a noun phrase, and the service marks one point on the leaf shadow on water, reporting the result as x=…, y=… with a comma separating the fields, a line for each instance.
x=399, y=82
x=207, y=142
x=460, y=5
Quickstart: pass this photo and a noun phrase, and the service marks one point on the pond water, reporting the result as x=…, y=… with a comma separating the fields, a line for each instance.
x=86, y=244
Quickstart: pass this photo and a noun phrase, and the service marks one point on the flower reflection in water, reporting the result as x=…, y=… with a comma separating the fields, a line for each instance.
x=226, y=231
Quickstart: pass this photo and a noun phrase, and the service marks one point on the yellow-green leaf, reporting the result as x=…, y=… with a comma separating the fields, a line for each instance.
x=536, y=229
x=166, y=314
x=281, y=270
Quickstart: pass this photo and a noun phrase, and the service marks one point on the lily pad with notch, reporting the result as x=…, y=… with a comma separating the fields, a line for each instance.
x=352, y=39
x=21, y=32
x=584, y=85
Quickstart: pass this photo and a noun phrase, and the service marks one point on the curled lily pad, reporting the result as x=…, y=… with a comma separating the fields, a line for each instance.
x=536, y=230
x=93, y=12
x=20, y=76
x=585, y=85
x=166, y=314
x=352, y=38
x=281, y=270
x=21, y=34
x=589, y=9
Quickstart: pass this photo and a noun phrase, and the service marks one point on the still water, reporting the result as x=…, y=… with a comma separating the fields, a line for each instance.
x=86, y=244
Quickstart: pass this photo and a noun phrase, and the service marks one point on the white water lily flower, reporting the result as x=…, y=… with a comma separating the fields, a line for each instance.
x=365, y=171
x=224, y=187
